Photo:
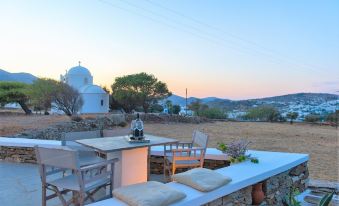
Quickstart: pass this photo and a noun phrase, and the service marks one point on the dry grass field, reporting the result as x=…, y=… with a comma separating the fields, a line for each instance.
x=321, y=142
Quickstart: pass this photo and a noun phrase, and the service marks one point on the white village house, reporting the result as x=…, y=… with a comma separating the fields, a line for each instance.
x=96, y=100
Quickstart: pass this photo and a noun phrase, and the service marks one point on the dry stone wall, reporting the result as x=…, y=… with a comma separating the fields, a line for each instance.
x=275, y=188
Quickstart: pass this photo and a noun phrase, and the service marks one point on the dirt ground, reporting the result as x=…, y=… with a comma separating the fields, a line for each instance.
x=15, y=123
x=321, y=142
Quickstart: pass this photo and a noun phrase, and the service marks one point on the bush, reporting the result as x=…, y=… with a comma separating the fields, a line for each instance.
x=312, y=118
x=213, y=113
x=76, y=118
x=263, y=113
x=333, y=117
x=176, y=109
x=156, y=108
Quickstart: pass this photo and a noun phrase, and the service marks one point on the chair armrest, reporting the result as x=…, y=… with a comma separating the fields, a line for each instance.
x=98, y=165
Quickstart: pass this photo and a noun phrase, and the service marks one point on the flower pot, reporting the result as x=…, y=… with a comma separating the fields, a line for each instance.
x=257, y=194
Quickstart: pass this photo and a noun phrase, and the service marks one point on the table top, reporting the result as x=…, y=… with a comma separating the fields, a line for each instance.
x=112, y=144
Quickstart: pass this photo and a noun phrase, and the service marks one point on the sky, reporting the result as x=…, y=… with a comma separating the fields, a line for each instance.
x=235, y=49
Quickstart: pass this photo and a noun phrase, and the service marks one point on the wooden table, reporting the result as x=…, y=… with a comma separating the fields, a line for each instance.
x=133, y=165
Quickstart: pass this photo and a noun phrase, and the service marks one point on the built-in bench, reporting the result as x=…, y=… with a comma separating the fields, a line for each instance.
x=278, y=171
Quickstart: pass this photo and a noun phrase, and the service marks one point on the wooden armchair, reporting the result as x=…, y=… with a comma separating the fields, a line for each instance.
x=185, y=154
x=81, y=181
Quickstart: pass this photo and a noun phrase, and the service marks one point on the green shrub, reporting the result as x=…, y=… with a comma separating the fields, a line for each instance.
x=312, y=118
x=263, y=113
x=213, y=113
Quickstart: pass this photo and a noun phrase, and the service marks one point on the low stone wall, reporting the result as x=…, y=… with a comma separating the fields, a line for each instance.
x=275, y=188
x=17, y=154
x=157, y=164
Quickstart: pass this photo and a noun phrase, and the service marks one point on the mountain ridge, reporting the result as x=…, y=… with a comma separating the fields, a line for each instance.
x=17, y=77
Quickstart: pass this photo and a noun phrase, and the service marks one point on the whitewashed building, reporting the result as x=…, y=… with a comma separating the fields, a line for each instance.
x=96, y=100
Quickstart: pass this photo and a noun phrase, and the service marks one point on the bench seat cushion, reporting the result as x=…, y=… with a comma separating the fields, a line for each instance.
x=202, y=179
x=148, y=194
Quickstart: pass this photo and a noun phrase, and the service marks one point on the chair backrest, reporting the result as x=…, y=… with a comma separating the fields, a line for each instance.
x=200, y=139
x=116, y=132
x=60, y=157
x=189, y=157
x=73, y=136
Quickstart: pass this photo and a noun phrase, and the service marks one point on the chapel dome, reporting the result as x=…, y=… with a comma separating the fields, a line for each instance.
x=92, y=89
x=79, y=70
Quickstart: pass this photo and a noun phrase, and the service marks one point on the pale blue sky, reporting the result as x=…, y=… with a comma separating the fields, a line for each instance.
x=232, y=49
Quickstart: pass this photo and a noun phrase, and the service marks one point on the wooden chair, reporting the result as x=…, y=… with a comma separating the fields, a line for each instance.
x=87, y=155
x=185, y=154
x=81, y=182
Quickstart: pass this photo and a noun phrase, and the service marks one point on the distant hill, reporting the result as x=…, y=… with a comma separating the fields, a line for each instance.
x=245, y=104
x=301, y=96
x=175, y=99
x=17, y=77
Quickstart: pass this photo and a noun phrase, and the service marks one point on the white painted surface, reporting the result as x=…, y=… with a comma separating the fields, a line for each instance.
x=134, y=166
x=242, y=174
x=131, y=168
x=24, y=142
x=96, y=100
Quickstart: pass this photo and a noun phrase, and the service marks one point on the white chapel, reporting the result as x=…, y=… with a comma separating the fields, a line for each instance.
x=96, y=100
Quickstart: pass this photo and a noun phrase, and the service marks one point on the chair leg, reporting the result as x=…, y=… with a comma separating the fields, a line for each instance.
x=44, y=200
x=81, y=198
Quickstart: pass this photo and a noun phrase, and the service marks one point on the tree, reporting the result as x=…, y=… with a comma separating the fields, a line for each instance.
x=11, y=92
x=41, y=93
x=67, y=99
x=176, y=109
x=140, y=89
x=312, y=118
x=197, y=107
x=169, y=106
x=292, y=116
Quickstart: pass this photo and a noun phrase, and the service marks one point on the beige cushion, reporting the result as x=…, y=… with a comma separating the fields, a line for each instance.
x=148, y=194
x=202, y=179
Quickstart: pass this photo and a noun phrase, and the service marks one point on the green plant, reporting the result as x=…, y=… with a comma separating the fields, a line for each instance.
x=236, y=151
x=263, y=113
x=292, y=116
x=312, y=118
x=138, y=90
x=213, y=113
x=290, y=199
x=325, y=201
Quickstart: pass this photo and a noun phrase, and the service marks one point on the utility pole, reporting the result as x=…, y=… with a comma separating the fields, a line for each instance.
x=186, y=103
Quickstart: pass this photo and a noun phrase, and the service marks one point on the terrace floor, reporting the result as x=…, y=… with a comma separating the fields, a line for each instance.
x=20, y=185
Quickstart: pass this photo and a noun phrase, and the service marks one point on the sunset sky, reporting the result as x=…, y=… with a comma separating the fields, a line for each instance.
x=232, y=49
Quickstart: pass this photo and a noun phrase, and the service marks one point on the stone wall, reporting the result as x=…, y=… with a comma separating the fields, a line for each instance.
x=17, y=154
x=157, y=164
x=165, y=118
x=275, y=188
